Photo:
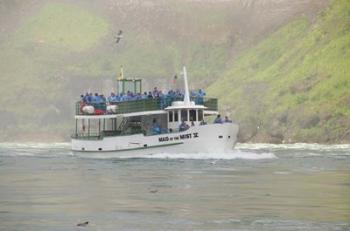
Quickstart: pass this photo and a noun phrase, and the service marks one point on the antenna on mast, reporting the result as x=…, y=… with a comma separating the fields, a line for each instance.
x=121, y=73
x=187, y=92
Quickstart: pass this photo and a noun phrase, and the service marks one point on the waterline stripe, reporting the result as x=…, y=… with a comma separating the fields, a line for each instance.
x=133, y=149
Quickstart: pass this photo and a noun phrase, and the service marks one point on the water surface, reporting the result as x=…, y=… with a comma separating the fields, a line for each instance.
x=256, y=187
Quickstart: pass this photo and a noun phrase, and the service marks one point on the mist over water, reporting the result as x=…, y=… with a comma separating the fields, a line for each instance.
x=54, y=51
x=254, y=187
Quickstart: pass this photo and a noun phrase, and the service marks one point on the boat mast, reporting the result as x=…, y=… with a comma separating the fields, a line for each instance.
x=187, y=93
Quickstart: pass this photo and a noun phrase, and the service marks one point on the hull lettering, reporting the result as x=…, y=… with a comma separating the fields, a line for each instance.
x=180, y=137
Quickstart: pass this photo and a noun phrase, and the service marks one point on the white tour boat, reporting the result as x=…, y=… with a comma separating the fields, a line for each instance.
x=126, y=128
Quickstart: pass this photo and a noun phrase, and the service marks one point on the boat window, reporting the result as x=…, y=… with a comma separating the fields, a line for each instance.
x=176, y=116
x=171, y=116
x=184, y=115
x=193, y=116
x=200, y=115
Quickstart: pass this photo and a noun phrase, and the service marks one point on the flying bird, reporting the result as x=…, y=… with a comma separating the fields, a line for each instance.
x=119, y=36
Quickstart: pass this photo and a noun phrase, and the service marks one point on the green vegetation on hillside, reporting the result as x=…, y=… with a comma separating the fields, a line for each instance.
x=294, y=85
x=290, y=86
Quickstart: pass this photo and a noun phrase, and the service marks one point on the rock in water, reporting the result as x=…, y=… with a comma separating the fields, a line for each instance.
x=83, y=224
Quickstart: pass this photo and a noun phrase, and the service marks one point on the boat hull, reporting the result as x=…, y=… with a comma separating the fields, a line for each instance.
x=198, y=139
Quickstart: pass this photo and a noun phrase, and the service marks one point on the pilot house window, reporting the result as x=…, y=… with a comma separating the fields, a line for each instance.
x=193, y=116
x=184, y=116
x=171, y=116
x=176, y=116
x=200, y=115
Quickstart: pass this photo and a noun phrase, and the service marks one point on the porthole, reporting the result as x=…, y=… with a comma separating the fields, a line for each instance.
x=100, y=149
x=220, y=137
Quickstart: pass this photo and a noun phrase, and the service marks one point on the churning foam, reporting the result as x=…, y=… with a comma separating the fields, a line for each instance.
x=295, y=146
x=234, y=154
x=242, y=151
x=35, y=149
x=31, y=145
x=63, y=149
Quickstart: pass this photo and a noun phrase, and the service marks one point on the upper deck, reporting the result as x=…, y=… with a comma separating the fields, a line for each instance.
x=141, y=105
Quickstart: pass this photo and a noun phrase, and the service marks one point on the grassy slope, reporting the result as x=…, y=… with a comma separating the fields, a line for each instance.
x=296, y=81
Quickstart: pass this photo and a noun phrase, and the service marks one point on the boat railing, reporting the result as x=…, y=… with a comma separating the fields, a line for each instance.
x=103, y=134
x=88, y=136
x=139, y=105
x=112, y=133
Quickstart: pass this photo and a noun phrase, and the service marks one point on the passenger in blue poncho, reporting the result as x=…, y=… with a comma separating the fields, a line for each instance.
x=227, y=120
x=218, y=120
x=156, y=129
x=183, y=126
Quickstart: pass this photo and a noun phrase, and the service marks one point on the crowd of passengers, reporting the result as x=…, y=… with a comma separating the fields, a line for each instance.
x=91, y=99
